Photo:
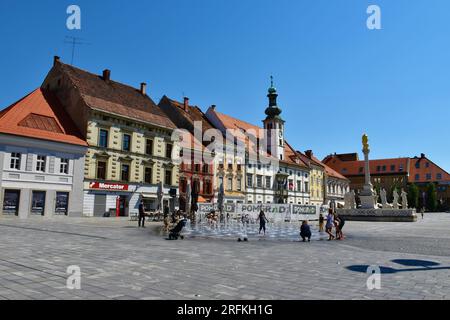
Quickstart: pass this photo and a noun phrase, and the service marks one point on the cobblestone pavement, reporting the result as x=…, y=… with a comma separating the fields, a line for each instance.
x=120, y=261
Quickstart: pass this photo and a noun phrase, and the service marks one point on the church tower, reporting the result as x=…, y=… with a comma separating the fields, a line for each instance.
x=274, y=125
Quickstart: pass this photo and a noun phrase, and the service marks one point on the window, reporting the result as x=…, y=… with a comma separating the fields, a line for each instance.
x=400, y=167
x=361, y=169
x=428, y=176
x=230, y=184
x=299, y=186
x=239, y=184
x=230, y=166
x=168, y=177
x=306, y=187
x=268, y=183
x=11, y=202
x=168, y=150
x=40, y=165
x=393, y=167
x=38, y=203
x=15, y=161
x=101, y=170
x=291, y=185
x=259, y=167
x=205, y=168
x=439, y=176
x=62, y=203
x=125, y=172
x=207, y=188
x=384, y=168
x=183, y=185
x=148, y=175
x=427, y=165
x=249, y=180
x=417, y=177
x=221, y=182
x=149, y=147
x=64, y=166
x=126, y=142
x=103, y=140
x=197, y=168
x=239, y=167
x=220, y=165
x=378, y=168
x=259, y=181
x=418, y=164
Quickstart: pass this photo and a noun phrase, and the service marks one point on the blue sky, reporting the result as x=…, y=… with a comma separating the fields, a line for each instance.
x=336, y=79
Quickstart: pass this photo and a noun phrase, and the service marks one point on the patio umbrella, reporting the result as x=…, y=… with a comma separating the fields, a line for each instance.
x=220, y=200
x=188, y=198
x=160, y=195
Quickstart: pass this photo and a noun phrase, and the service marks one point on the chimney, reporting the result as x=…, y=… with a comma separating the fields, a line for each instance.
x=56, y=60
x=186, y=104
x=143, y=88
x=309, y=153
x=106, y=75
x=213, y=107
x=422, y=155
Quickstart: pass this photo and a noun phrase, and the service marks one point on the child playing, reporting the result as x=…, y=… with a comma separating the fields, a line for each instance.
x=321, y=223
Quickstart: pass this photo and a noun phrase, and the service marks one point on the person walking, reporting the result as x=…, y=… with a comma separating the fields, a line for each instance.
x=329, y=225
x=339, y=223
x=321, y=223
x=262, y=222
x=141, y=214
x=305, y=231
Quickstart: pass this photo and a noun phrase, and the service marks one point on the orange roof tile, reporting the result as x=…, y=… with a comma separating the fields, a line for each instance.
x=40, y=115
x=115, y=97
x=229, y=122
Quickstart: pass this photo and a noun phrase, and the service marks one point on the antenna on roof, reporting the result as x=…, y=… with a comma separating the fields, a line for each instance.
x=74, y=41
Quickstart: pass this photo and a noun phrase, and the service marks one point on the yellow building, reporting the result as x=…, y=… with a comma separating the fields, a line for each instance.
x=316, y=179
x=129, y=136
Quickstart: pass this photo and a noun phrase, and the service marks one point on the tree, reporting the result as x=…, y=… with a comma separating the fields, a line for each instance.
x=431, y=199
x=413, y=196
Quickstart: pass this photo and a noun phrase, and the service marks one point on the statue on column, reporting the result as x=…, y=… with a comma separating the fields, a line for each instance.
x=404, y=196
x=395, y=194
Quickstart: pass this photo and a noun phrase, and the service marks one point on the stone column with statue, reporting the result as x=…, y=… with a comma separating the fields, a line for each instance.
x=367, y=195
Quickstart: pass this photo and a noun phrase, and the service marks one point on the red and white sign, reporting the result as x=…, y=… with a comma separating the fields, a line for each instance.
x=108, y=186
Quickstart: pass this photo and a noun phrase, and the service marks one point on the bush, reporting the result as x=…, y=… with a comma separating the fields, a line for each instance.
x=413, y=196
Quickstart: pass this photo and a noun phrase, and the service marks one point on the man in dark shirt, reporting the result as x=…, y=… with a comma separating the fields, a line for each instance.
x=141, y=214
x=305, y=231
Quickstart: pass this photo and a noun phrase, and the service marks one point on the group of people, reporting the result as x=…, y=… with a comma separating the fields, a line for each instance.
x=332, y=221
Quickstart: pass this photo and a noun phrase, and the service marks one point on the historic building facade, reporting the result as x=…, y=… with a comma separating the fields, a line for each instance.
x=277, y=175
x=41, y=159
x=194, y=171
x=129, y=136
x=393, y=173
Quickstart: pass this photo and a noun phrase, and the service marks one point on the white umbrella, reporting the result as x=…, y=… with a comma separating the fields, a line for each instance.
x=160, y=194
x=220, y=200
x=188, y=198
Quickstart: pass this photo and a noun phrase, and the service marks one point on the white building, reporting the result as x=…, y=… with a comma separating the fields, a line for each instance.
x=41, y=159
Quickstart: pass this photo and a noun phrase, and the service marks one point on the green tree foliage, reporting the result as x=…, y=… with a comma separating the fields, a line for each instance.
x=431, y=197
x=413, y=196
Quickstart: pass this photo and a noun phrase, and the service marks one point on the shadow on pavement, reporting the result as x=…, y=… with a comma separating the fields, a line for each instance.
x=420, y=265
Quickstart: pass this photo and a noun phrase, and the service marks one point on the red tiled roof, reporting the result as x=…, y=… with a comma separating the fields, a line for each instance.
x=115, y=97
x=229, y=122
x=40, y=115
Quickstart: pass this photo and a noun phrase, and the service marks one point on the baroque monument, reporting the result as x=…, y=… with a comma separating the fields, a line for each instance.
x=369, y=208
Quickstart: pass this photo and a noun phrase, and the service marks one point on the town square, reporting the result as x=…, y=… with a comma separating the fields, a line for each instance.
x=210, y=157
